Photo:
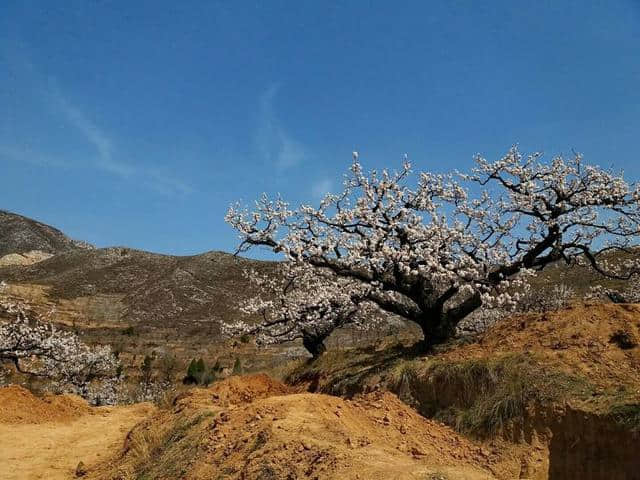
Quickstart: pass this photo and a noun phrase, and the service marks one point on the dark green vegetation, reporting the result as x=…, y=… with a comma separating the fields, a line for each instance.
x=199, y=374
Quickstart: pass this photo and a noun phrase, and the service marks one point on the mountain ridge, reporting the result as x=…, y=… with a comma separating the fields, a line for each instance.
x=20, y=234
x=161, y=302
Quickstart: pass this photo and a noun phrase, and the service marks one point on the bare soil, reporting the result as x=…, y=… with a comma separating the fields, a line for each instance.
x=47, y=438
x=257, y=428
x=582, y=340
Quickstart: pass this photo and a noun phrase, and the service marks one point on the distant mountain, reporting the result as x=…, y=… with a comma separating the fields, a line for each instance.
x=138, y=302
x=20, y=234
x=147, y=288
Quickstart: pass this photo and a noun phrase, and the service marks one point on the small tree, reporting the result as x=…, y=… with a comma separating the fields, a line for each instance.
x=216, y=371
x=197, y=373
x=168, y=365
x=190, y=377
x=146, y=369
x=201, y=369
x=193, y=373
x=436, y=252
x=318, y=301
x=237, y=367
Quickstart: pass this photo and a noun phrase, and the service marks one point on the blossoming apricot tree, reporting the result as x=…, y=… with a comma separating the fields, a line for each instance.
x=435, y=252
x=303, y=302
x=37, y=348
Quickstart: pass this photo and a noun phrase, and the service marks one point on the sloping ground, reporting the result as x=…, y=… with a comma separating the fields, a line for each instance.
x=568, y=382
x=596, y=341
x=143, y=289
x=20, y=234
x=153, y=289
x=581, y=278
x=46, y=438
x=256, y=428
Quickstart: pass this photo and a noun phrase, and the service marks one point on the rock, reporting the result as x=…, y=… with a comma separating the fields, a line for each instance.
x=81, y=470
x=416, y=452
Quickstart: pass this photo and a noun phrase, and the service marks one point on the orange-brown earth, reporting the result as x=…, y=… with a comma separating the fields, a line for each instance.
x=565, y=386
x=584, y=339
x=257, y=428
x=46, y=438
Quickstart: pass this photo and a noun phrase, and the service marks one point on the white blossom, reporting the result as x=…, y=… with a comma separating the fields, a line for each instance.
x=435, y=252
x=37, y=347
x=302, y=302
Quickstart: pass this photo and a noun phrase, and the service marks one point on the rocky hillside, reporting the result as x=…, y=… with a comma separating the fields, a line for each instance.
x=138, y=302
x=140, y=288
x=20, y=234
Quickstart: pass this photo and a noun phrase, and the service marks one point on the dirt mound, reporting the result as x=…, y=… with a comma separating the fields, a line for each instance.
x=19, y=406
x=596, y=341
x=253, y=427
x=599, y=343
x=561, y=388
x=233, y=391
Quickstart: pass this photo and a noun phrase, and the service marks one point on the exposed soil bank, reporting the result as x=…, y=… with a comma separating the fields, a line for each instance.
x=589, y=447
x=558, y=385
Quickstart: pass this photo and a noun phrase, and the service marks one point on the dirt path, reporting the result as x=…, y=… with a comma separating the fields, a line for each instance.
x=52, y=450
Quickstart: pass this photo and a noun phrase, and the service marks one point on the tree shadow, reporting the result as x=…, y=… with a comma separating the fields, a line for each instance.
x=352, y=371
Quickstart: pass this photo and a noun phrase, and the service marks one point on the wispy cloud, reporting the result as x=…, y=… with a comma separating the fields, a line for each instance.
x=157, y=178
x=106, y=156
x=25, y=153
x=92, y=133
x=164, y=182
x=321, y=187
x=275, y=144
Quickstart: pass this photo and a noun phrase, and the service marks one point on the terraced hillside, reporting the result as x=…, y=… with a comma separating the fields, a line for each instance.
x=138, y=302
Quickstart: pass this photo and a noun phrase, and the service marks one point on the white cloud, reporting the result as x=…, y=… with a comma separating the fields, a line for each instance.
x=275, y=144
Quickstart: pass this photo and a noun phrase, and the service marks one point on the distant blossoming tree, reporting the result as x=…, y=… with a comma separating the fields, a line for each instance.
x=435, y=252
x=37, y=348
x=303, y=302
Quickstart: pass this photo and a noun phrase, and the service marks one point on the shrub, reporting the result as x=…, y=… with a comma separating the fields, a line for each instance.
x=197, y=373
x=237, y=367
x=129, y=331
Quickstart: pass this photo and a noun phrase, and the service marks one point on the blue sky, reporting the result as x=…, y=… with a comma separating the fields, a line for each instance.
x=138, y=123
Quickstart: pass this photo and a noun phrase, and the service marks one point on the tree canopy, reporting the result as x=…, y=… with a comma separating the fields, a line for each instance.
x=434, y=248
